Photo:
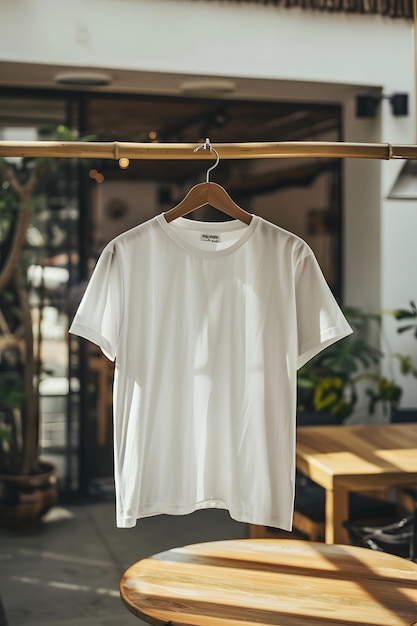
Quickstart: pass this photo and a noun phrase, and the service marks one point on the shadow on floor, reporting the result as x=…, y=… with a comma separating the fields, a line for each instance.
x=68, y=570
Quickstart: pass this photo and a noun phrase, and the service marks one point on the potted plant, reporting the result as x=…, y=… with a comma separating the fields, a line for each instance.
x=28, y=485
x=328, y=384
x=406, y=362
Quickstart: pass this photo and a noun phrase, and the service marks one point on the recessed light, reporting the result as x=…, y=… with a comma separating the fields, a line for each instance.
x=85, y=79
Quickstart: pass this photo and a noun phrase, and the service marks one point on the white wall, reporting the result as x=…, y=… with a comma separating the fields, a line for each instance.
x=208, y=38
x=362, y=216
x=380, y=247
x=398, y=251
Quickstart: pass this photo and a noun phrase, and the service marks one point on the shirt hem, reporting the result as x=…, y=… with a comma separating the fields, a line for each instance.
x=173, y=509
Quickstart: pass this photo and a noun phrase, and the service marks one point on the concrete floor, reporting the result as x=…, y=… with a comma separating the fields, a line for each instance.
x=68, y=570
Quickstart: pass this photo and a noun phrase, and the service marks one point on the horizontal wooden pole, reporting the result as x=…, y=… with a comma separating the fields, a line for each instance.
x=175, y=151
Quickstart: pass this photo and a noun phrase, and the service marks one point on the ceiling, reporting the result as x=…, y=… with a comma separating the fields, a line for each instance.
x=192, y=120
x=235, y=110
x=189, y=120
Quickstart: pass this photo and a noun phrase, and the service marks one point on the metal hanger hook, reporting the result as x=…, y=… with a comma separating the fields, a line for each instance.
x=207, y=146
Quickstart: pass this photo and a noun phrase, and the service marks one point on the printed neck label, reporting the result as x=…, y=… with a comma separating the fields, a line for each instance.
x=214, y=238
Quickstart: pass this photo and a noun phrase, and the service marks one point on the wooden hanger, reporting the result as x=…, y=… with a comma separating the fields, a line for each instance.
x=208, y=193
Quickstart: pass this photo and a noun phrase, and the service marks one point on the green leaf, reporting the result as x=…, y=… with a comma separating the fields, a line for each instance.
x=403, y=314
x=403, y=329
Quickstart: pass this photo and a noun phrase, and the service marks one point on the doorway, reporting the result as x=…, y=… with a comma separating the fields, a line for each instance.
x=88, y=203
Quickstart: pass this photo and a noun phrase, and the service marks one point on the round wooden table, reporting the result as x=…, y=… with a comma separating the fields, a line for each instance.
x=272, y=581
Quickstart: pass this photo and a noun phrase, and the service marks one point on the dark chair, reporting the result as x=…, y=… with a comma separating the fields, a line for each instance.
x=399, y=538
x=309, y=510
x=399, y=416
x=406, y=496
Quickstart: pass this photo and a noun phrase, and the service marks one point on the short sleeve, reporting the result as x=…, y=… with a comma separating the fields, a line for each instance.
x=320, y=321
x=99, y=314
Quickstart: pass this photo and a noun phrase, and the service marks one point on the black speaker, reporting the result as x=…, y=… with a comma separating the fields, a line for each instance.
x=399, y=104
x=366, y=106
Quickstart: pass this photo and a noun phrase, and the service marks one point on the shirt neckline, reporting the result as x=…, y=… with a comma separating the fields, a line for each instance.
x=172, y=228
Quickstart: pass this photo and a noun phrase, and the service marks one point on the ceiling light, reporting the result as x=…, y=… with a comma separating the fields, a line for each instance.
x=85, y=79
x=208, y=87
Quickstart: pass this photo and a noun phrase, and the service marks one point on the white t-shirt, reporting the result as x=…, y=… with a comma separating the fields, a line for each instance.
x=207, y=324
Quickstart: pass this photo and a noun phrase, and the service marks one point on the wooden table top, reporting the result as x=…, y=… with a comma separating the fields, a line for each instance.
x=359, y=457
x=279, y=582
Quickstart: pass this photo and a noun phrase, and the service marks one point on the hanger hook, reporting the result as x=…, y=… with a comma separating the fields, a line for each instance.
x=207, y=146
